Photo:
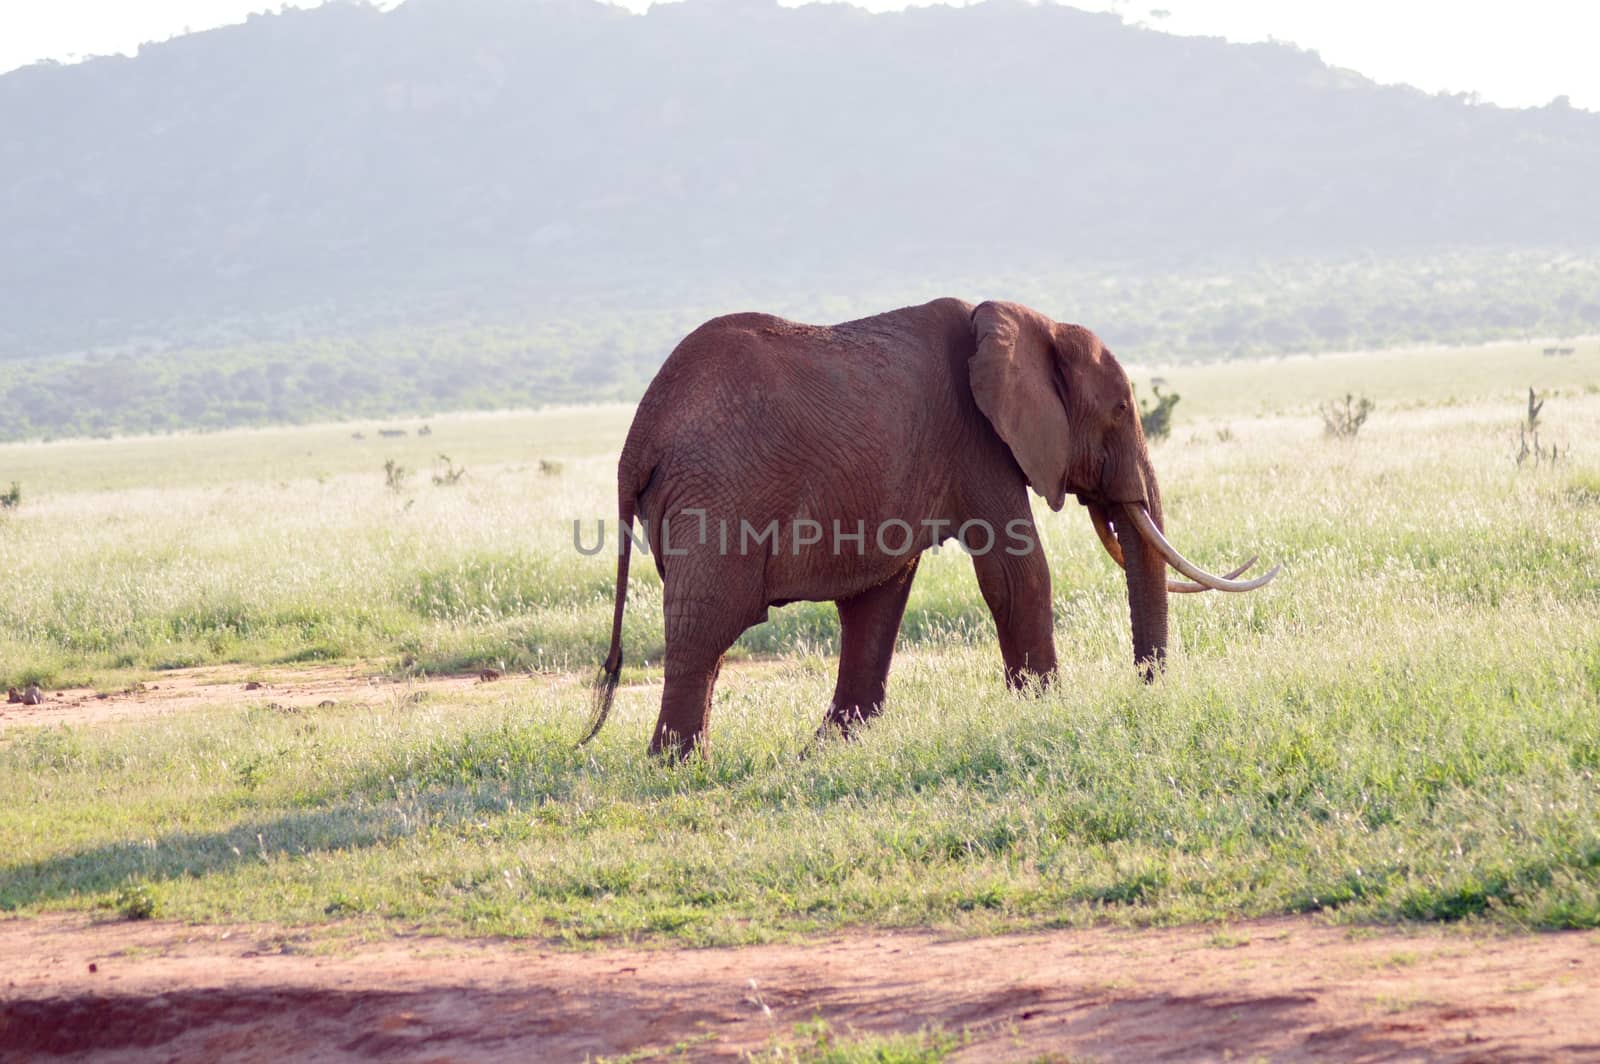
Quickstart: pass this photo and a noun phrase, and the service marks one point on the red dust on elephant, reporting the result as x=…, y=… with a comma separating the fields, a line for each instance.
x=772, y=462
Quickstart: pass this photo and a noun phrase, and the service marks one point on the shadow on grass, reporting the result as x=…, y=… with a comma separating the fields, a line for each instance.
x=440, y=784
x=449, y=785
x=194, y=854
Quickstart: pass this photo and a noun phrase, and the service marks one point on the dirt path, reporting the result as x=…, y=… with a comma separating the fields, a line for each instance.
x=297, y=686
x=1282, y=989
x=287, y=686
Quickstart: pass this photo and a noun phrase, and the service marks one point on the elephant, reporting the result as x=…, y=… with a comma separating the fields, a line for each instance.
x=895, y=433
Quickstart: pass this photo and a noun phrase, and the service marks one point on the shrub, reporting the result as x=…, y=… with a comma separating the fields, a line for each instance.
x=395, y=475
x=1342, y=420
x=1157, y=420
x=1528, y=437
x=449, y=474
x=135, y=902
x=11, y=498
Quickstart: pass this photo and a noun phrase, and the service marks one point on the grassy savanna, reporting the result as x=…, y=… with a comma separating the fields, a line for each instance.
x=1406, y=725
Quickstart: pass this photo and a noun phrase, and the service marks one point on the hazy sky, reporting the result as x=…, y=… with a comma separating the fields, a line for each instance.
x=1518, y=54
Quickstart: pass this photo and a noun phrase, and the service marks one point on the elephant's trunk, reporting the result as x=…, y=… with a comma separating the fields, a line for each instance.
x=1146, y=571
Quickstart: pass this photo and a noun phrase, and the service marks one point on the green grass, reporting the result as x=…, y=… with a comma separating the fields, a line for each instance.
x=1406, y=726
x=817, y=1043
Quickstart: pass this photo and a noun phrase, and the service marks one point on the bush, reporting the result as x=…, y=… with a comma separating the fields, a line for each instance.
x=394, y=475
x=135, y=902
x=446, y=472
x=1157, y=420
x=1343, y=420
x=1528, y=433
x=11, y=498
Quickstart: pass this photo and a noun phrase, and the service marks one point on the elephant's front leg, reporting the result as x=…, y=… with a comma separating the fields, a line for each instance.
x=868, y=625
x=1016, y=587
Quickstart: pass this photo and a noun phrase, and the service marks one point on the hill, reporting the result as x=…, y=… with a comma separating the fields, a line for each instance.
x=463, y=164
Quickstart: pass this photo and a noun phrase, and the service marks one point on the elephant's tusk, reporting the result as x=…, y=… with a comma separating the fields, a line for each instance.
x=1107, y=539
x=1184, y=587
x=1147, y=528
x=1178, y=587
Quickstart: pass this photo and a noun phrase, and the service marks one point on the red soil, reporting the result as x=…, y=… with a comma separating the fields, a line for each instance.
x=1282, y=989
x=288, y=687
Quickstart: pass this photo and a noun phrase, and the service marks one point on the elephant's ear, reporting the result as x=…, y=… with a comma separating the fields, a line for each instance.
x=1014, y=380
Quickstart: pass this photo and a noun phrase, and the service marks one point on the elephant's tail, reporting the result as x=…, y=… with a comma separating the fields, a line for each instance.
x=605, y=688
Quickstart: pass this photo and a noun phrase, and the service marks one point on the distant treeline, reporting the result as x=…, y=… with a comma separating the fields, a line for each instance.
x=470, y=152
x=593, y=354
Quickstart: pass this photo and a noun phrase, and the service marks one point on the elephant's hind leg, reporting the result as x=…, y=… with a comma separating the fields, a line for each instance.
x=699, y=631
x=868, y=625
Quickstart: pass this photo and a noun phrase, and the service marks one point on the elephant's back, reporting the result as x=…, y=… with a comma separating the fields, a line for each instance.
x=711, y=389
x=734, y=347
x=735, y=368
x=760, y=400
x=753, y=358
